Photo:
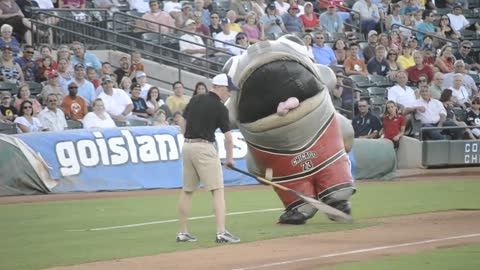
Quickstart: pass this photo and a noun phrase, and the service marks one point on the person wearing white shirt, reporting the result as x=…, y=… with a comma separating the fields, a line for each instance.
x=45, y=4
x=191, y=43
x=226, y=38
x=369, y=14
x=457, y=19
x=402, y=94
x=459, y=92
x=52, y=117
x=169, y=6
x=281, y=7
x=117, y=103
x=98, y=118
x=432, y=113
x=141, y=6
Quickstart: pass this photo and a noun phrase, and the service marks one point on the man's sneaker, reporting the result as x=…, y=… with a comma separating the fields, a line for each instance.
x=226, y=237
x=186, y=237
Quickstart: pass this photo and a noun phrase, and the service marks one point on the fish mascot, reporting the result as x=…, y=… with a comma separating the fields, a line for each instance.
x=290, y=125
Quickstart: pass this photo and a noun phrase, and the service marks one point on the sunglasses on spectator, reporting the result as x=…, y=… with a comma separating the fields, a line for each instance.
x=30, y=52
x=466, y=47
x=27, y=107
x=73, y=87
x=362, y=106
x=214, y=17
x=423, y=80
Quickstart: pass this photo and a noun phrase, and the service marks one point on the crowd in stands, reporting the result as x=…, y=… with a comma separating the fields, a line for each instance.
x=415, y=44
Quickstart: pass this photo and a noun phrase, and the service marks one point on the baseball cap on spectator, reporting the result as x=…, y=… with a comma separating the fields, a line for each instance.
x=271, y=6
x=308, y=4
x=372, y=32
x=186, y=5
x=52, y=74
x=106, y=78
x=78, y=65
x=140, y=74
x=293, y=7
x=331, y=4
x=7, y=47
x=458, y=5
x=135, y=85
x=224, y=21
x=190, y=21
x=225, y=80
x=5, y=94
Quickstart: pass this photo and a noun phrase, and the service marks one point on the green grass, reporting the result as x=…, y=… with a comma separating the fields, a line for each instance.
x=458, y=258
x=35, y=235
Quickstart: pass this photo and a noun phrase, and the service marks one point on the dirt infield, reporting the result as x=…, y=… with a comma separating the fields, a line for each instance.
x=399, y=235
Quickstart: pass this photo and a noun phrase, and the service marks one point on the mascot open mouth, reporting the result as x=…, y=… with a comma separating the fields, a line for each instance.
x=272, y=83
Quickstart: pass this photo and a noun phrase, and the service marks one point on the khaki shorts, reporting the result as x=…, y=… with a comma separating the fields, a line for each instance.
x=201, y=163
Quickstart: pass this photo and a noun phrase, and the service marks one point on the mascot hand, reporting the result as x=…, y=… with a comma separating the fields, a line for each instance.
x=290, y=104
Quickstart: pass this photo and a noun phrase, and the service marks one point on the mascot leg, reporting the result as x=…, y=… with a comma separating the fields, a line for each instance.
x=297, y=212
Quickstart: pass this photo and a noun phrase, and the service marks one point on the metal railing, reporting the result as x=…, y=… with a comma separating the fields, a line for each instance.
x=451, y=41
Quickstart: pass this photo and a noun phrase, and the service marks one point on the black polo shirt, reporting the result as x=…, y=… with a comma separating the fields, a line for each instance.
x=365, y=125
x=204, y=114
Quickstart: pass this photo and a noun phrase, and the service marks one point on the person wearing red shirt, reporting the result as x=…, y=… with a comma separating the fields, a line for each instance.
x=393, y=123
x=309, y=19
x=419, y=69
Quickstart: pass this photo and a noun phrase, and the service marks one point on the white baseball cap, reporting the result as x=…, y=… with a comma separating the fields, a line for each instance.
x=225, y=80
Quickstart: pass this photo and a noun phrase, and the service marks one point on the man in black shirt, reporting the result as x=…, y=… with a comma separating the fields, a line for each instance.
x=203, y=115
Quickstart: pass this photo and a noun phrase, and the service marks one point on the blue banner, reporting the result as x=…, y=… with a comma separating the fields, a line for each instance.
x=123, y=158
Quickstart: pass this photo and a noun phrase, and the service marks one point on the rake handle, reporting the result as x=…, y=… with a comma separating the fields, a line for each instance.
x=261, y=179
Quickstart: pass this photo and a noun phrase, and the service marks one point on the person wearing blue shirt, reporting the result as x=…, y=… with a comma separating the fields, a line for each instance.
x=323, y=54
x=86, y=90
x=425, y=26
x=81, y=57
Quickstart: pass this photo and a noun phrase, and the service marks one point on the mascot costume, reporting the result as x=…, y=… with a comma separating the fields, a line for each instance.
x=286, y=116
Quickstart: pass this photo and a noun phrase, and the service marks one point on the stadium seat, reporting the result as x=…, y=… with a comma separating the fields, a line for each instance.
x=380, y=81
x=361, y=81
x=377, y=92
x=460, y=114
x=7, y=86
x=74, y=124
x=6, y=128
x=137, y=122
x=120, y=123
x=476, y=78
x=35, y=87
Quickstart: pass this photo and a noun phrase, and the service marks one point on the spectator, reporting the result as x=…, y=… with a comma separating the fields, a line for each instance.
x=272, y=23
x=369, y=51
x=251, y=28
x=281, y=7
x=323, y=54
x=445, y=61
x=154, y=17
x=393, y=124
x=142, y=80
x=85, y=88
x=353, y=65
x=74, y=106
x=395, y=40
x=171, y=7
x=459, y=92
x=117, y=103
x=52, y=87
x=307, y=39
x=232, y=18
x=378, y=65
x=178, y=101
x=468, y=82
x=63, y=52
x=448, y=101
x=12, y=14
x=125, y=84
x=160, y=119
x=393, y=66
x=190, y=43
x=139, y=104
x=215, y=26
x=241, y=40
x=51, y=117
x=410, y=8
x=465, y=53
x=46, y=51
x=369, y=15
x=23, y=94
x=8, y=111
x=241, y=8
x=6, y=39
x=406, y=59
x=123, y=70
x=436, y=87
x=201, y=28
x=72, y=4
x=401, y=94
x=292, y=22
x=98, y=118
x=11, y=71
x=226, y=38
x=309, y=19
x=45, y=68
x=409, y=22
x=394, y=20
x=431, y=113
x=185, y=14
x=425, y=26
x=428, y=52
x=200, y=11
x=350, y=95
x=85, y=58
x=200, y=89
x=473, y=117
x=106, y=70
x=259, y=7
x=65, y=75
x=419, y=69
x=155, y=103
x=457, y=19
x=413, y=43
x=331, y=21
x=136, y=65
x=445, y=30
x=92, y=77
x=383, y=40
x=366, y=125
x=26, y=121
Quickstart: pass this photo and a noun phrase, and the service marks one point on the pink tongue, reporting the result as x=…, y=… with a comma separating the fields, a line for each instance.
x=284, y=107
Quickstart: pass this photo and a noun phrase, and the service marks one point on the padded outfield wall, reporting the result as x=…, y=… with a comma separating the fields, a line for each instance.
x=132, y=158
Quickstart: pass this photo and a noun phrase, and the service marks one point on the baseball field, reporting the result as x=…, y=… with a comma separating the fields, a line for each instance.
x=422, y=223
